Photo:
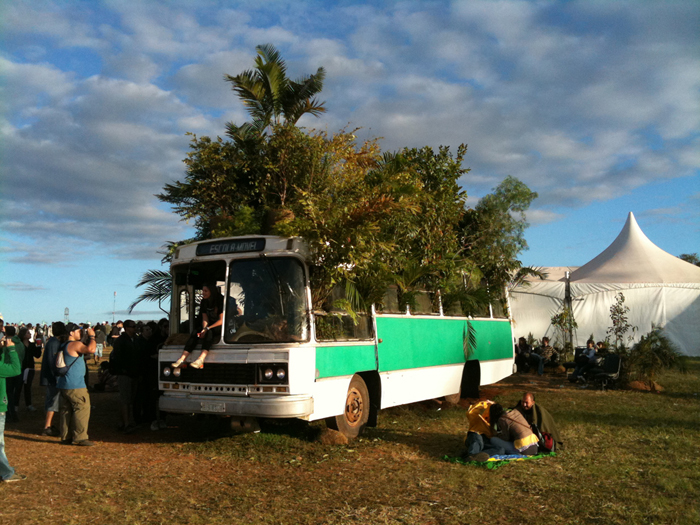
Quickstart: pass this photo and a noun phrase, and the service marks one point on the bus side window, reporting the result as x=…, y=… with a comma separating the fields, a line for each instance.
x=339, y=326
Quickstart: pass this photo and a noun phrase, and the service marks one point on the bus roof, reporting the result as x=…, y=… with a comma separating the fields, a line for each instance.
x=233, y=247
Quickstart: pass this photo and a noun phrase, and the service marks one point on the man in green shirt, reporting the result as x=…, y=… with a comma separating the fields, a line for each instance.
x=10, y=366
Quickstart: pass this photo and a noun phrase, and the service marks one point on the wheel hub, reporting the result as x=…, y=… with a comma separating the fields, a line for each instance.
x=353, y=407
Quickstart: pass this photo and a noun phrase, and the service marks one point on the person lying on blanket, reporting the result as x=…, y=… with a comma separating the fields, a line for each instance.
x=511, y=432
x=537, y=414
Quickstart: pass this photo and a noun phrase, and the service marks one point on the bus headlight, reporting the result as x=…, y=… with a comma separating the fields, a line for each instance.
x=177, y=372
x=272, y=373
x=166, y=372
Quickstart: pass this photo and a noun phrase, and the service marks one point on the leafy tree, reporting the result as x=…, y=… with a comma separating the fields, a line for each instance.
x=370, y=218
x=243, y=185
x=211, y=194
x=493, y=233
x=692, y=258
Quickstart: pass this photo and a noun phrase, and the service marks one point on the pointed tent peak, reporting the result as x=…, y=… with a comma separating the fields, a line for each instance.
x=632, y=233
x=633, y=258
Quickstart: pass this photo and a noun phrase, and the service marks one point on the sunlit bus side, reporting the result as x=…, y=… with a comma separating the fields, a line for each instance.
x=278, y=357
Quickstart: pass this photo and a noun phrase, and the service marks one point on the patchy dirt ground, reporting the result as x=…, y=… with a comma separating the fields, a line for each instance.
x=185, y=474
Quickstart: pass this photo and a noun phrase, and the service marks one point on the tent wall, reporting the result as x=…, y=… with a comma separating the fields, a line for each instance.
x=532, y=308
x=683, y=318
x=676, y=308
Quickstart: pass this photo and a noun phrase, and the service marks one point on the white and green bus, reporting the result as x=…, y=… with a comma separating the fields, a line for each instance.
x=277, y=357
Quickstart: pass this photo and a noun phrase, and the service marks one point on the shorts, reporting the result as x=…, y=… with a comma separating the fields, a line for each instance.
x=52, y=397
x=127, y=389
x=98, y=350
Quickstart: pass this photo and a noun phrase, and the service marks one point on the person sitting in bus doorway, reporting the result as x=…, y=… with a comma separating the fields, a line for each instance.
x=211, y=318
x=540, y=416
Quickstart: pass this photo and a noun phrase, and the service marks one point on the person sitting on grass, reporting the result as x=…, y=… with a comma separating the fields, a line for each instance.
x=211, y=319
x=538, y=415
x=511, y=432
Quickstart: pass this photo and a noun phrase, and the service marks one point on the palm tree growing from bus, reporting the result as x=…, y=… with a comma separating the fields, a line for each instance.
x=367, y=215
x=271, y=97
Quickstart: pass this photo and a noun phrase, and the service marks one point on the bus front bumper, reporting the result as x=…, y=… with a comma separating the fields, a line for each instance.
x=263, y=406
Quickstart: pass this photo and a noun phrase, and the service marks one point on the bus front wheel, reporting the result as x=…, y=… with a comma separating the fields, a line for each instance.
x=351, y=423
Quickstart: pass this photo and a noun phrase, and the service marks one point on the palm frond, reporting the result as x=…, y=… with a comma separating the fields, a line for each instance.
x=520, y=277
x=158, y=288
x=469, y=340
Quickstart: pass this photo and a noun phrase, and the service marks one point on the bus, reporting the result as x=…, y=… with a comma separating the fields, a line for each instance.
x=278, y=357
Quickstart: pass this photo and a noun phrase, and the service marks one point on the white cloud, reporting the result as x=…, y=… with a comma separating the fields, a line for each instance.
x=202, y=83
x=536, y=217
x=580, y=112
x=68, y=27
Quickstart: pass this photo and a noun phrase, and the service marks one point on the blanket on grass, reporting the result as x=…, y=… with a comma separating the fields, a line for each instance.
x=495, y=462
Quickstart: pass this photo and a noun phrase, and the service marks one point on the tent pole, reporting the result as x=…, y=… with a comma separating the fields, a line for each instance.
x=568, y=304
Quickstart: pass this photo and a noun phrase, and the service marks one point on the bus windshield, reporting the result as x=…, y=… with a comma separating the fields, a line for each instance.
x=266, y=301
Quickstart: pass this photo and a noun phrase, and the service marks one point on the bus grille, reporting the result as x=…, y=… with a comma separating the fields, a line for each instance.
x=215, y=373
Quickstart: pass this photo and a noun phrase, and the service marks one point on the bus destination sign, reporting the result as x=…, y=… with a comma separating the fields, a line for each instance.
x=222, y=247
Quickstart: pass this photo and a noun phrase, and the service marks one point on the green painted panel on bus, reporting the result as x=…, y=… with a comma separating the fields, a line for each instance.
x=335, y=361
x=494, y=340
x=410, y=342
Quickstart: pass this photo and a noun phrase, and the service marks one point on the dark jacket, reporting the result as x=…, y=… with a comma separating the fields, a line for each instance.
x=543, y=419
x=124, y=359
x=30, y=353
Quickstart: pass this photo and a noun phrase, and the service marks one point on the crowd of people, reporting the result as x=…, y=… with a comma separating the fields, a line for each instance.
x=538, y=358
x=65, y=349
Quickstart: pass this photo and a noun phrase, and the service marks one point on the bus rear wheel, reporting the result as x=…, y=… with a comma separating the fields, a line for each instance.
x=351, y=423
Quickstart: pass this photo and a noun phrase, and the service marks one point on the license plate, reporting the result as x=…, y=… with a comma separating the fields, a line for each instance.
x=213, y=407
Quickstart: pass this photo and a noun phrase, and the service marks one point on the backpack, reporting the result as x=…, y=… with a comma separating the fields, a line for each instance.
x=60, y=368
x=545, y=442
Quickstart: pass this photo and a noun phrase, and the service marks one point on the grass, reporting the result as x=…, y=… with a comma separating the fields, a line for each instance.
x=630, y=457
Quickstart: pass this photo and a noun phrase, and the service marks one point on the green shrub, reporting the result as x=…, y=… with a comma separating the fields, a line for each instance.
x=652, y=354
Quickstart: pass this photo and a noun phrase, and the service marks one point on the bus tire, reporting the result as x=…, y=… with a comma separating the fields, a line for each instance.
x=352, y=422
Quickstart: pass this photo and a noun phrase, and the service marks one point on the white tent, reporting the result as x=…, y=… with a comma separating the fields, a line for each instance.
x=659, y=288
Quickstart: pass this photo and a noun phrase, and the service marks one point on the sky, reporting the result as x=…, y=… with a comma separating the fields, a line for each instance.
x=595, y=105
